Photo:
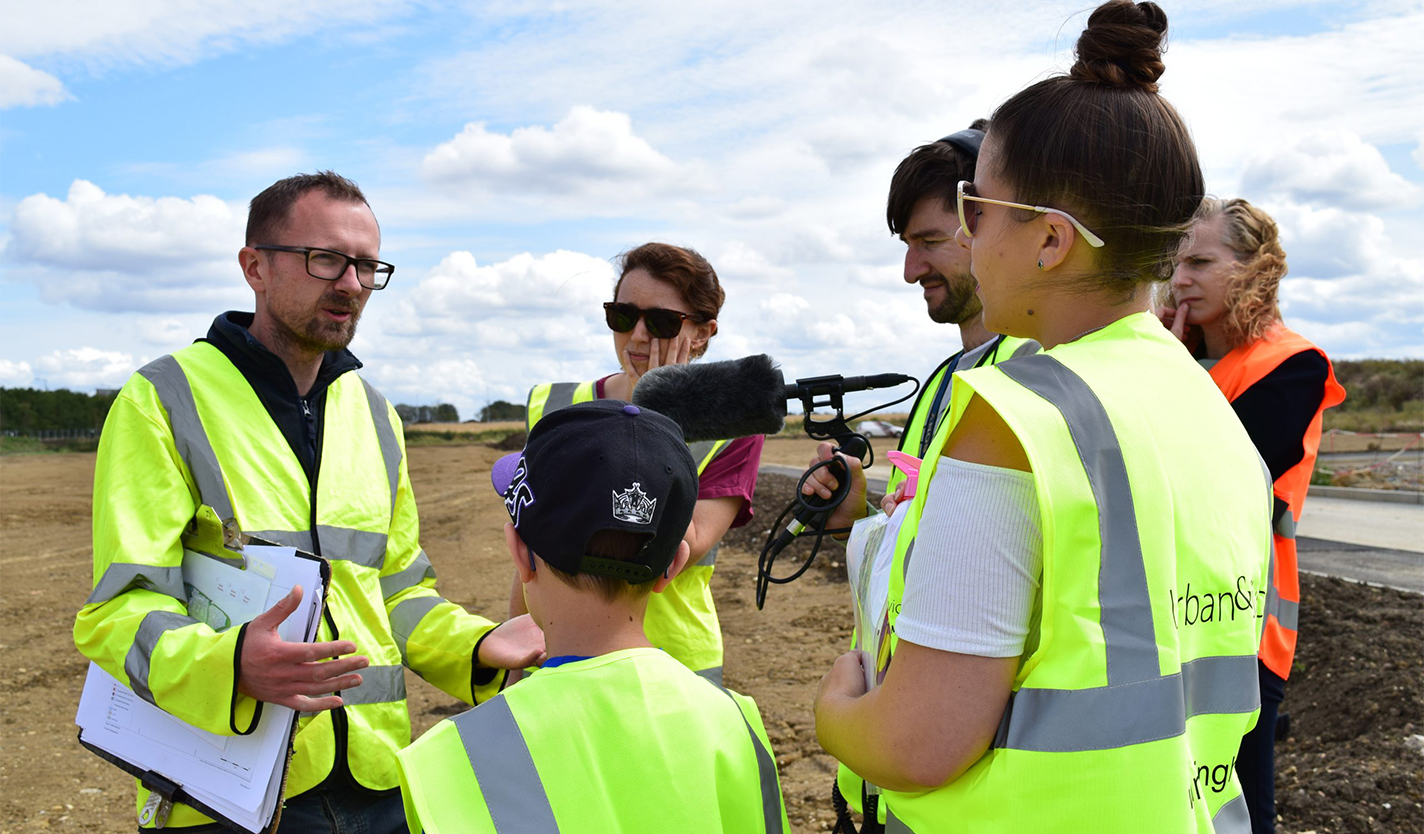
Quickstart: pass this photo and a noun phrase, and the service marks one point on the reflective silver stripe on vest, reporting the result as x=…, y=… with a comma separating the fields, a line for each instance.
x=1126, y=605
x=709, y=558
x=406, y=616
x=360, y=546
x=895, y=825
x=413, y=574
x=1285, y=525
x=1028, y=348
x=1216, y=685
x=561, y=395
x=154, y=624
x=119, y=577
x=1233, y=818
x=905, y=563
x=300, y=539
x=379, y=685
x=499, y=756
x=766, y=772
x=1287, y=613
x=337, y=543
x=386, y=436
x=1100, y=718
x=174, y=391
x=701, y=449
x=713, y=674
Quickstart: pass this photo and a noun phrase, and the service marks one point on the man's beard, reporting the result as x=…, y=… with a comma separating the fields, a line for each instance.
x=318, y=334
x=960, y=302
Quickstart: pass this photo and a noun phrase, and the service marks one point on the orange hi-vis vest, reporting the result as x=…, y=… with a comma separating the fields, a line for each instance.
x=1236, y=372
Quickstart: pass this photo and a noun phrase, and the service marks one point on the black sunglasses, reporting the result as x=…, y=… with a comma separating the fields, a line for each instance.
x=662, y=323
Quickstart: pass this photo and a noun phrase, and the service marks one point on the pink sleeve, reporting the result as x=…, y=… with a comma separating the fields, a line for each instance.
x=733, y=473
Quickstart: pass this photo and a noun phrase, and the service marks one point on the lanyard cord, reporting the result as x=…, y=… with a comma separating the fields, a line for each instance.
x=932, y=419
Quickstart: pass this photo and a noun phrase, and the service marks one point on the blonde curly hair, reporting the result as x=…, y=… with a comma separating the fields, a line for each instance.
x=1251, y=234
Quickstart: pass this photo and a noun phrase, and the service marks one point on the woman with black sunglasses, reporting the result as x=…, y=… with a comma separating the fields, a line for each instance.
x=664, y=312
x=1074, y=616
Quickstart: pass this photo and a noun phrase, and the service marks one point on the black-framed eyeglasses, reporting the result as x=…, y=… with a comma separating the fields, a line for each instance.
x=662, y=323
x=330, y=265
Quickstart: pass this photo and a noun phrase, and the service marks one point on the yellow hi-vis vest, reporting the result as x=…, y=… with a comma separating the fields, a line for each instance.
x=1139, y=678
x=682, y=620
x=1003, y=349
x=188, y=445
x=630, y=741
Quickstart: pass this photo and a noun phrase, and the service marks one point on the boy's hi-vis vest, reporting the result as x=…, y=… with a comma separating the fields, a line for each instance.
x=1139, y=680
x=189, y=442
x=682, y=620
x=1234, y=374
x=629, y=741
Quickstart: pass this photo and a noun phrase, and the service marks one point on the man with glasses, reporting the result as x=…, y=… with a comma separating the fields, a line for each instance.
x=264, y=429
x=922, y=210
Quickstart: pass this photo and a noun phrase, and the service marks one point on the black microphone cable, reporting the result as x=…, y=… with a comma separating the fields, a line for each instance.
x=812, y=511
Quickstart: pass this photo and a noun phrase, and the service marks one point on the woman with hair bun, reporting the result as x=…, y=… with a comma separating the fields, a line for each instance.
x=1223, y=306
x=1074, y=617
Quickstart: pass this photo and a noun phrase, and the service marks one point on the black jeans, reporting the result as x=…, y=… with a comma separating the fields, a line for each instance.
x=1256, y=761
x=335, y=808
x=344, y=810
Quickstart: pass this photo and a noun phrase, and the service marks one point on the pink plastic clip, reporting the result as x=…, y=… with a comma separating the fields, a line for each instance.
x=911, y=467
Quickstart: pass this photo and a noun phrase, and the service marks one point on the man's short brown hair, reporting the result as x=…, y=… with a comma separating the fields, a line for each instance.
x=269, y=210
x=932, y=170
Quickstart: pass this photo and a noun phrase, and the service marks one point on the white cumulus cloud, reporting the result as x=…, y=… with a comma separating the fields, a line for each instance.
x=15, y=374
x=21, y=85
x=1328, y=168
x=588, y=152
x=85, y=367
x=117, y=252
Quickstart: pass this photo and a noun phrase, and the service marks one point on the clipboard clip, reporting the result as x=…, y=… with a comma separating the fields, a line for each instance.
x=160, y=799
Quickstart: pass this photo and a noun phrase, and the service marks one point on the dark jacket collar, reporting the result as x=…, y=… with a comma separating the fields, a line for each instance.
x=261, y=367
x=274, y=386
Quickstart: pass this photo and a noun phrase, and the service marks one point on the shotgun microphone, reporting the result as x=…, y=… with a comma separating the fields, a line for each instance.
x=741, y=397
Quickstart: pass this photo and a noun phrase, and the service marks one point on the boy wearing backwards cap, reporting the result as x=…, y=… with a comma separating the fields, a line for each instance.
x=611, y=734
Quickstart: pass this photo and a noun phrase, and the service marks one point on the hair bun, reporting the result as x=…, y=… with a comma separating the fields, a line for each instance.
x=1122, y=46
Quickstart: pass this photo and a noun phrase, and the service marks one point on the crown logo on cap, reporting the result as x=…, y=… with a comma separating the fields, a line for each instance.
x=634, y=505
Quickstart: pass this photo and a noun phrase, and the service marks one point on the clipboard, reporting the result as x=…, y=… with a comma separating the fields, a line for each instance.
x=146, y=742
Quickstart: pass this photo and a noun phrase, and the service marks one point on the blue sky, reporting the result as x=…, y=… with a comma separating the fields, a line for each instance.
x=510, y=150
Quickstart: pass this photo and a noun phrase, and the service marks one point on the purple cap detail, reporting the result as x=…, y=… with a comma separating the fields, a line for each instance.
x=503, y=471
x=631, y=409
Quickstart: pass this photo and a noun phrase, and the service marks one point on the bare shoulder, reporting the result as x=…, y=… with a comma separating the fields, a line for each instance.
x=983, y=437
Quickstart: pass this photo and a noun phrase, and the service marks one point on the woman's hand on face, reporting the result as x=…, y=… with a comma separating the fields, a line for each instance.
x=1175, y=320
x=674, y=351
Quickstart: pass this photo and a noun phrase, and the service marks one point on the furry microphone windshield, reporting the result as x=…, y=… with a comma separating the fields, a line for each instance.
x=717, y=400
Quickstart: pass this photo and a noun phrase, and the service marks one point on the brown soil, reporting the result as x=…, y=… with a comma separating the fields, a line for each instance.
x=1355, y=697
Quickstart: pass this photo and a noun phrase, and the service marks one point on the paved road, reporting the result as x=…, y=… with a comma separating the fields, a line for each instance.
x=1366, y=541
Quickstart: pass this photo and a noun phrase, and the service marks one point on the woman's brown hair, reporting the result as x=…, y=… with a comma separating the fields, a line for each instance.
x=1102, y=144
x=1250, y=297
x=695, y=279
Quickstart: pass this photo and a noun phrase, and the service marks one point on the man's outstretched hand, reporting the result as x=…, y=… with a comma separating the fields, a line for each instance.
x=302, y=676
x=513, y=644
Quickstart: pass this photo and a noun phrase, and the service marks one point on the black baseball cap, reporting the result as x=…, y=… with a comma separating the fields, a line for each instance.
x=600, y=465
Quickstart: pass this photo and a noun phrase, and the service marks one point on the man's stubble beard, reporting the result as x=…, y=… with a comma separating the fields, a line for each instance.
x=961, y=303
x=316, y=334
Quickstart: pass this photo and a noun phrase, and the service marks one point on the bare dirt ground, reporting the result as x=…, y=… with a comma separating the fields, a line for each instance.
x=1355, y=697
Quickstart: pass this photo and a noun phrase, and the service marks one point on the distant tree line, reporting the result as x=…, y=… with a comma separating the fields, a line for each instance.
x=500, y=410
x=24, y=411
x=1386, y=384
x=442, y=413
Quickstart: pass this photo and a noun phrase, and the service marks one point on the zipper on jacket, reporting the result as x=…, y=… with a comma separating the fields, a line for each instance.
x=340, y=725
